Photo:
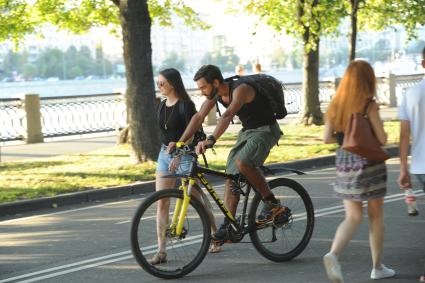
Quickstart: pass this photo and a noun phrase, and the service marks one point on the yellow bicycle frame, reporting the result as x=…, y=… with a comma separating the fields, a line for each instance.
x=180, y=210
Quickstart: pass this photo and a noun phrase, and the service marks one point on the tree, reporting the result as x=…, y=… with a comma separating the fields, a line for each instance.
x=307, y=20
x=385, y=13
x=173, y=61
x=354, y=8
x=51, y=63
x=18, y=18
x=226, y=61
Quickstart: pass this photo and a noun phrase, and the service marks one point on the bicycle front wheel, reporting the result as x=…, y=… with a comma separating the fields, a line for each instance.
x=283, y=240
x=152, y=225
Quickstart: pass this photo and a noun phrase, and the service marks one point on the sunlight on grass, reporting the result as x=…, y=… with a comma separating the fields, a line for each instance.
x=114, y=166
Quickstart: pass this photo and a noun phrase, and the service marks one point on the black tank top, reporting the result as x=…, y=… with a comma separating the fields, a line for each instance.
x=255, y=114
x=175, y=121
x=340, y=138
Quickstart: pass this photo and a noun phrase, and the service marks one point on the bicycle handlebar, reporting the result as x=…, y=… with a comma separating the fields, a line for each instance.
x=187, y=149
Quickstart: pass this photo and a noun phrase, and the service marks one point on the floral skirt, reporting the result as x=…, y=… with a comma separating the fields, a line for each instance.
x=359, y=179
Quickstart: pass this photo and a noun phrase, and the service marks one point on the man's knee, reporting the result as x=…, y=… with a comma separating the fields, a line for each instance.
x=242, y=166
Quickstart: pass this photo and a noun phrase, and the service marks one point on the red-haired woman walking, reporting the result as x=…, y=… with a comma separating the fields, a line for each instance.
x=358, y=179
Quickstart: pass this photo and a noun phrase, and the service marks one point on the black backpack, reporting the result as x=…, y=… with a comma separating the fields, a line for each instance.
x=199, y=135
x=267, y=86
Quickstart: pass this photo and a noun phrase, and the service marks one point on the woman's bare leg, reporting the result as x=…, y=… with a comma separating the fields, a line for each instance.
x=376, y=230
x=163, y=209
x=345, y=230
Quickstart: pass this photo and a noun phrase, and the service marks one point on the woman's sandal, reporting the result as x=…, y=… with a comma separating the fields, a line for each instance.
x=214, y=248
x=158, y=258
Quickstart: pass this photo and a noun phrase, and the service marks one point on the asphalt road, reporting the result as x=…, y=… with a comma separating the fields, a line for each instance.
x=90, y=243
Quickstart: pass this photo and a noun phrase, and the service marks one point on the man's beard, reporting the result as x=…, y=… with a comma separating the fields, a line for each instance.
x=213, y=93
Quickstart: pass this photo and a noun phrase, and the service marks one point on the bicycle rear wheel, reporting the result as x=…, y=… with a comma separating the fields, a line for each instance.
x=184, y=252
x=283, y=241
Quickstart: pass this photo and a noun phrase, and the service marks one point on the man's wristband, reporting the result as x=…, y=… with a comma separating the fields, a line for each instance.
x=212, y=139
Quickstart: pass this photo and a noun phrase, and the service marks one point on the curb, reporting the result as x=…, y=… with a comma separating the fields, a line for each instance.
x=16, y=207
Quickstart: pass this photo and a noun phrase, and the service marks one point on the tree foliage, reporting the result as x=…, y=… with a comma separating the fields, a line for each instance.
x=53, y=62
x=19, y=18
x=173, y=61
x=22, y=17
x=385, y=13
x=225, y=61
x=306, y=20
x=294, y=17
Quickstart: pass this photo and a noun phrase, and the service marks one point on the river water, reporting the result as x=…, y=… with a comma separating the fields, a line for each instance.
x=61, y=88
x=85, y=87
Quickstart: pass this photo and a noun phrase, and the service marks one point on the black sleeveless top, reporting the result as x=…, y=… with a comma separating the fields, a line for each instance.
x=339, y=137
x=255, y=114
x=172, y=123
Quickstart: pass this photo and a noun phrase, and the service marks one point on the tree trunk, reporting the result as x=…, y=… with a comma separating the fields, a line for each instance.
x=312, y=113
x=353, y=33
x=140, y=94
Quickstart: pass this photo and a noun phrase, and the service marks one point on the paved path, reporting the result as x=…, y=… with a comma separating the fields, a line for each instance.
x=86, y=144
x=90, y=243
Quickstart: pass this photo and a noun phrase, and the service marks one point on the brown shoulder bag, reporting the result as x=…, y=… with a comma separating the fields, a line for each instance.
x=360, y=139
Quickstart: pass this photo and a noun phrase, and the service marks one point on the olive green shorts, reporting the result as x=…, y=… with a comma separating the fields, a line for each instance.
x=253, y=147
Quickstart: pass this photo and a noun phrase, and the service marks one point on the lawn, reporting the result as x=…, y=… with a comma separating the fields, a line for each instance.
x=114, y=166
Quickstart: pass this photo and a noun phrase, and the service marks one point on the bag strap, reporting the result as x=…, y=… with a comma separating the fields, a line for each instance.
x=366, y=107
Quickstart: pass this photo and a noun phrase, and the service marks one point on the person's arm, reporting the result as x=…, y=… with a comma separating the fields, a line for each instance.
x=241, y=95
x=328, y=133
x=377, y=124
x=404, y=177
x=197, y=120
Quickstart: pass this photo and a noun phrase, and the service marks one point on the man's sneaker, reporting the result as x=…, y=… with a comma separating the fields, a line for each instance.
x=384, y=272
x=269, y=211
x=220, y=236
x=333, y=269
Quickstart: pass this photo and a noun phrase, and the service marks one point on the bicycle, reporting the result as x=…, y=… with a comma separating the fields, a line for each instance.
x=188, y=234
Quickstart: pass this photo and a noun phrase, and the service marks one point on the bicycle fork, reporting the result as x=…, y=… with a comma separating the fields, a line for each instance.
x=180, y=210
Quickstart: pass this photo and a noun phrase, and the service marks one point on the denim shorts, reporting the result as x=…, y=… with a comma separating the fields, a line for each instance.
x=164, y=160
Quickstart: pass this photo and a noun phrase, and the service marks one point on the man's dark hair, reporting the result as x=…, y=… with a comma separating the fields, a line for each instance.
x=423, y=54
x=209, y=73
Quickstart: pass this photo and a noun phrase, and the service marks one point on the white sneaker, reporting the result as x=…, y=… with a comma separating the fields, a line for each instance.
x=333, y=269
x=384, y=272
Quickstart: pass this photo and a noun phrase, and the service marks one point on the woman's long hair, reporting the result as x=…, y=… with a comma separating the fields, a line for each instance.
x=357, y=86
x=174, y=78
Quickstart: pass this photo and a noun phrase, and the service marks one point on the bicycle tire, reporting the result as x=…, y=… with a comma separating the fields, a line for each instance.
x=183, y=254
x=291, y=238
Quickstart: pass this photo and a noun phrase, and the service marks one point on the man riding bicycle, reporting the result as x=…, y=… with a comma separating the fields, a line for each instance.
x=259, y=134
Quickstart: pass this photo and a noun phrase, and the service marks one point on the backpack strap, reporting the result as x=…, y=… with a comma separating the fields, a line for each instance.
x=183, y=112
x=159, y=109
x=218, y=108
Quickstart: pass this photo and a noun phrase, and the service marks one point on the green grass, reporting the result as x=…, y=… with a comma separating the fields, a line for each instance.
x=113, y=166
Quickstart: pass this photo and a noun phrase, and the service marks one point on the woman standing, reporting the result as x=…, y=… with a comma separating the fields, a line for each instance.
x=357, y=179
x=172, y=124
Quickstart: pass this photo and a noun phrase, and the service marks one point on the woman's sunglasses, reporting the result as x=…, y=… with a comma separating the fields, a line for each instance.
x=160, y=83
